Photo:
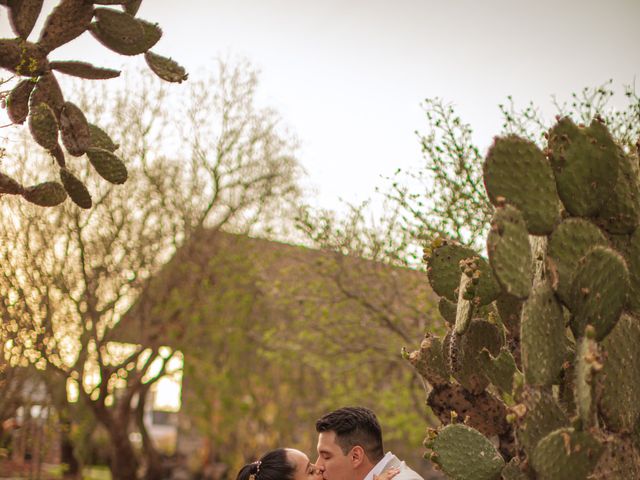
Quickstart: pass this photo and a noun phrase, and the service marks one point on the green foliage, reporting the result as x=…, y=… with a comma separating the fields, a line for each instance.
x=459, y=209
x=566, y=389
x=40, y=100
x=458, y=205
x=272, y=340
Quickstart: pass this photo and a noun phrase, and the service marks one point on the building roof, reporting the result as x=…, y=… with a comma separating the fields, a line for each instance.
x=225, y=274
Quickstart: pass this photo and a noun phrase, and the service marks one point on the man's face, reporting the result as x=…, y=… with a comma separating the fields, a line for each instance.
x=334, y=463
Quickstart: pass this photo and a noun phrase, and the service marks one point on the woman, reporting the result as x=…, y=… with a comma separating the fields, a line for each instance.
x=289, y=464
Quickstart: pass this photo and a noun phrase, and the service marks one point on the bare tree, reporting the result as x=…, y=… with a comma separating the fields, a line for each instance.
x=71, y=274
x=384, y=304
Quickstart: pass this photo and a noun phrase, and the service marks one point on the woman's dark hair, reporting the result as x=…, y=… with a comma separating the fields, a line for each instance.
x=273, y=465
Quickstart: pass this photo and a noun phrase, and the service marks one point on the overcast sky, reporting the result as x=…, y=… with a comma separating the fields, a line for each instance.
x=348, y=76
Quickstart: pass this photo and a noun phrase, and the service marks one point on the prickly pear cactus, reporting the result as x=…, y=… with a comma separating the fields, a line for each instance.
x=543, y=381
x=39, y=100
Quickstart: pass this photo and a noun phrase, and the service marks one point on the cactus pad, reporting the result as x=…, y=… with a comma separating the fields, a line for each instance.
x=451, y=350
x=47, y=90
x=465, y=306
x=107, y=165
x=499, y=370
x=76, y=136
x=443, y=269
x=566, y=390
x=429, y=361
x=631, y=253
x=566, y=454
x=481, y=335
x=620, y=214
x=151, y=33
x=516, y=171
x=67, y=21
x=57, y=153
x=43, y=126
x=18, y=101
x=482, y=411
x=47, y=194
x=23, y=15
x=165, y=68
x=569, y=242
x=512, y=471
x=510, y=309
x=598, y=291
x=588, y=362
x=618, y=383
x=119, y=26
x=132, y=6
x=542, y=416
x=509, y=251
x=621, y=459
x=75, y=189
x=542, y=336
x=100, y=139
x=585, y=165
x=9, y=185
x=22, y=57
x=84, y=70
x=447, y=310
x=463, y=453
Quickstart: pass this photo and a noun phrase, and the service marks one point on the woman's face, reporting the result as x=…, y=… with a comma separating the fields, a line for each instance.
x=305, y=470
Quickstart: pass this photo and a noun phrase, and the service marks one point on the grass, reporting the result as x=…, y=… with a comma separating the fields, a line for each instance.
x=54, y=472
x=96, y=473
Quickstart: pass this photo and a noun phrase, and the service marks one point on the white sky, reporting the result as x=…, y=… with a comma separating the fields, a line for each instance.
x=348, y=76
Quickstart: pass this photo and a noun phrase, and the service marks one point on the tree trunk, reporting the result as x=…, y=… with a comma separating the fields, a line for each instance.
x=123, y=462
x=67, y=455
x=156, y=466
x=154, y=462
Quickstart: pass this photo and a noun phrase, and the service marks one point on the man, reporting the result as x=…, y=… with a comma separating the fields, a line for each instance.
x=350, y=447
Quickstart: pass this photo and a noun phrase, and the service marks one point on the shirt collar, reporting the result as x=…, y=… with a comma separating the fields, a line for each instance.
x=377, y=469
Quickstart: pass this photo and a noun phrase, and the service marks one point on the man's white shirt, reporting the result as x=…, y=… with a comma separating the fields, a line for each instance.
x=379, y=467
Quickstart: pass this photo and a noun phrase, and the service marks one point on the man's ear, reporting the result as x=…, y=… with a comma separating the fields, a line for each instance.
x=357, y=456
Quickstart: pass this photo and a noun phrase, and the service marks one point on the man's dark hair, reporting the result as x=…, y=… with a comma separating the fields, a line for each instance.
x=354, y=426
